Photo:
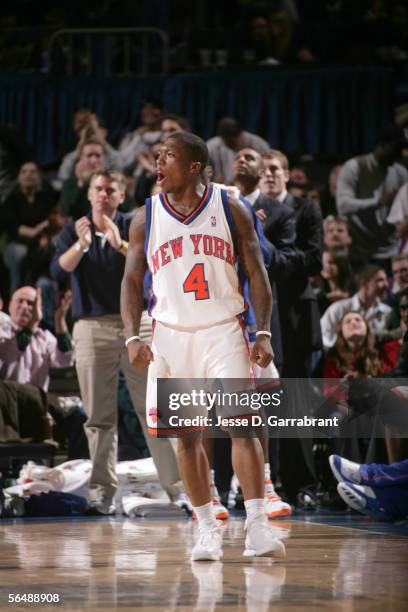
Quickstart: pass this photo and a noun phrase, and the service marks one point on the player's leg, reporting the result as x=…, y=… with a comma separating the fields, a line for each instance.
x=229, y=361
x=191, y=457
x=194, y=471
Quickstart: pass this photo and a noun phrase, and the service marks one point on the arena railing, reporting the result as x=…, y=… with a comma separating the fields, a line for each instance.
x=109, y=52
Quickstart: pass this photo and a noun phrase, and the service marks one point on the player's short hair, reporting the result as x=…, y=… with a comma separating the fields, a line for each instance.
x=194, y=145
x=111, y=175
x=271, y=153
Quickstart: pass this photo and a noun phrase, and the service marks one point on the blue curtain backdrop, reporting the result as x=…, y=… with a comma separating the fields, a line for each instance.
x=318, y=111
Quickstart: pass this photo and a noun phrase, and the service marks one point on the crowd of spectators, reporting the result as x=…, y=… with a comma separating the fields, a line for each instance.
x=339, y=268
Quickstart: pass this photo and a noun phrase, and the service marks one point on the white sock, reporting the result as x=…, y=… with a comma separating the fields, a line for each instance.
x=205, y=515
x=267, y=471
x=255, y=508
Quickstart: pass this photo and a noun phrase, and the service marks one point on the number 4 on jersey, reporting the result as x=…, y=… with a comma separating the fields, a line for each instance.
x=196, y=283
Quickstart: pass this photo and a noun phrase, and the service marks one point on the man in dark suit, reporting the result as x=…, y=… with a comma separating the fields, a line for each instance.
x=299, y=316
x=279, y=228
x=299, y=313
x=278, y=222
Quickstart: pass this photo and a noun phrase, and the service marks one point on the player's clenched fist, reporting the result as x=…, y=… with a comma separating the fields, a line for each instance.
x=140, y=355
x=262, y=353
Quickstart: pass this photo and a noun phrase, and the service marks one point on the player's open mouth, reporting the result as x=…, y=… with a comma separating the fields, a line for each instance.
x=160, y=178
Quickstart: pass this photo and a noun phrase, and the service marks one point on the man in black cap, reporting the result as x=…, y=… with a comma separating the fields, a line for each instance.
x=366, y=188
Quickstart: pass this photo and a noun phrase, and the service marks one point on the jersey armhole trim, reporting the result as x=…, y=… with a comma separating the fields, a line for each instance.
x=229, y=217
x=148, y=203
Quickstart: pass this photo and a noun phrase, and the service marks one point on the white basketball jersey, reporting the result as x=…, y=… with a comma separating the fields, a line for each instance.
x=192, y=262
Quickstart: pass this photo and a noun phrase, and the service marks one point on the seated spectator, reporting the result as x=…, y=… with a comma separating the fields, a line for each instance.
x=26, y=215
x=372, y=287
x=171, y=124
x=336, y=281
x=92, y=157
x=379, y=490
x=298, y=176
x=145, y=136
x=27, y=352
x=337, y=235
x=328, y=193
x=87, y=126
x=363, y=391
x=223, y=147
x=398, y=216
x=399, y=267
x=366, y=189
x=355, y=353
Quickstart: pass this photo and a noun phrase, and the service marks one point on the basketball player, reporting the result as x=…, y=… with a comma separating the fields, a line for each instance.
x=186, y=236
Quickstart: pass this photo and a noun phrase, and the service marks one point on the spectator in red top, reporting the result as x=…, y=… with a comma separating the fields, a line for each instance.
x=355, y=354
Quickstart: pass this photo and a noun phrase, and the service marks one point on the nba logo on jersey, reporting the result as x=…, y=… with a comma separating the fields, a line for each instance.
x=213, y=221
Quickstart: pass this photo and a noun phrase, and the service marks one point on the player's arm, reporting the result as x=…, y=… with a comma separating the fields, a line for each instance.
x=131, y=297
x=250, y=256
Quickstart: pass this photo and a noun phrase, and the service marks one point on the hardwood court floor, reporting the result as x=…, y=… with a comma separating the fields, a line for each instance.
x=117, y=563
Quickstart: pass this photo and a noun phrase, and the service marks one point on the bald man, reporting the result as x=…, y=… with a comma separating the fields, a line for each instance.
x=27, y=352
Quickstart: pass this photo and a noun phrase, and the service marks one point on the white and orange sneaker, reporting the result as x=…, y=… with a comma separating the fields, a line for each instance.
x=220, y=511
x=274, y=505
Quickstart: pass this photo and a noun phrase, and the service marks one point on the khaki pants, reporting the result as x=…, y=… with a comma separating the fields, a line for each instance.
x=100, y=353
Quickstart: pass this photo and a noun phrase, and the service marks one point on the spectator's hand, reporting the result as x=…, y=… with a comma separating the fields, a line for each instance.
x=261, y=215
x=350, y=374
x=140, y=355
x=64, y=305
x=37, y=310
x=147, y=161
x=82, y=229
x=83, y=172
x=112, y=233
x=337, y=294
x=262, y=353
x=41, y=227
